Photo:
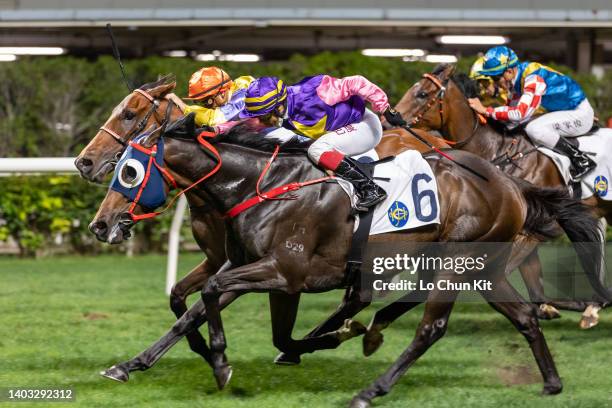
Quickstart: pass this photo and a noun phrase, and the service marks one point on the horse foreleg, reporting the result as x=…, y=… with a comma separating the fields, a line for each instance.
x=193, y=282
x=283, y=310
x=263, y=276
x=189, y=321
x=352, y=303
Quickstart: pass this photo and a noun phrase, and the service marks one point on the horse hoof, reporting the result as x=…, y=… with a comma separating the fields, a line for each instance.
x=590, y=317
x=548, y=312
x=287, y=359
x=553, y=389
x=372, y=341
x=359, y=402
x=116, y=373
x=223, y=376
x=588, y=322
x=350, y=329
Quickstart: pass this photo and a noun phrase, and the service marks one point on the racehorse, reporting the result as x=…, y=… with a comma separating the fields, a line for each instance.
x=260, y=260
x=152, y=105
x=439, y=102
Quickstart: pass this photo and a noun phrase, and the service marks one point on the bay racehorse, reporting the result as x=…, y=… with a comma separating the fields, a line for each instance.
x=439, y=102
x=472, y=208
x=152, y=105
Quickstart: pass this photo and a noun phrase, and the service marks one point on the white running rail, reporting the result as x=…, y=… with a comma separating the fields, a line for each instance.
x=41, y=165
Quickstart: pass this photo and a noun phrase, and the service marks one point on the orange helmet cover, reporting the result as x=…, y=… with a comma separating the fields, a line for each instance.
x=208, y=81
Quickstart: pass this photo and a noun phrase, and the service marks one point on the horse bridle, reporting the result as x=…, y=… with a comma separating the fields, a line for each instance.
x=439, y=97
x=141, y=125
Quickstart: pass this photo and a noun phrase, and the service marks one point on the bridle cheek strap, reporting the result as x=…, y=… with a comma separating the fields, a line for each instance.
x=201, y=139
x=114, y=134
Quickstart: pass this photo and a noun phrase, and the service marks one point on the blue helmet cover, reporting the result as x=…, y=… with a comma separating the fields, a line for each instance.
x=130, y=173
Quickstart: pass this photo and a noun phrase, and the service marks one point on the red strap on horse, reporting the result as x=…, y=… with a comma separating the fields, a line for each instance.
x=273, y=193
x=207, y=145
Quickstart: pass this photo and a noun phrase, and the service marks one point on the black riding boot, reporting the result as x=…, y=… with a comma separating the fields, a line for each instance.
x=581, y=163
x=368, y=191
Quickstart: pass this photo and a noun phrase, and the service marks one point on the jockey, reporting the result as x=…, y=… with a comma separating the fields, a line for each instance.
x=488, y=91
x=486, y=86
x=332, y=111
x=220, y=99
x=531, y=85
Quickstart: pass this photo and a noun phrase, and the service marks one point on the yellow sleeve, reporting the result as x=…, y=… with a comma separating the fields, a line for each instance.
x=243, y=82
x=205, y=116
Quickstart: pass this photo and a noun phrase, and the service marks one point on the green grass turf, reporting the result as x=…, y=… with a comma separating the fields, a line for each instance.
x=62, y=320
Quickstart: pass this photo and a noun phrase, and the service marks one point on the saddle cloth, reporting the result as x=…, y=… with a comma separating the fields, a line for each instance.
x=599, y=148
x=412, y=193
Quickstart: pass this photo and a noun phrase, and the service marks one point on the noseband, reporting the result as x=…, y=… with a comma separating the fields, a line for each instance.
x=141, y=125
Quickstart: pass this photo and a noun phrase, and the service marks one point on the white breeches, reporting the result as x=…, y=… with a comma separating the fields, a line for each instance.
x=547, y=129
x=349, y=140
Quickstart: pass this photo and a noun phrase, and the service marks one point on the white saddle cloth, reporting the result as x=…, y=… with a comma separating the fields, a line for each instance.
x=412, y=193
x=599, y=148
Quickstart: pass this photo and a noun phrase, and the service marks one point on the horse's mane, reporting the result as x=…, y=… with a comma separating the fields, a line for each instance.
x=241, y=135
x=467, y=85
x=162, y=80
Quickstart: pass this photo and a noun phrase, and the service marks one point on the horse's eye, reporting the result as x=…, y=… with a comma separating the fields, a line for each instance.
x=128, y=115
x=422, y=95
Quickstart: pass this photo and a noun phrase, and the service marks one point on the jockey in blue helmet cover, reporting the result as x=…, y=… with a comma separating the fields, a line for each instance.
x=532, y=86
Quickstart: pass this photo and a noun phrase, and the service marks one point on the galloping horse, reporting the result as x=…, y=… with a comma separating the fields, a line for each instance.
x=439, y=102
x=152, y=105
x=259, y=259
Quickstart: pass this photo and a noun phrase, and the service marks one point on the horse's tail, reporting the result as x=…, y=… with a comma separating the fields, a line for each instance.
x=548, y=206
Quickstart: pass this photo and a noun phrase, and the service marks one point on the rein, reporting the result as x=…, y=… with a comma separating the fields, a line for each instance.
x=141, y=125
x=234, y=211
x=273, y=193
x=167, y=176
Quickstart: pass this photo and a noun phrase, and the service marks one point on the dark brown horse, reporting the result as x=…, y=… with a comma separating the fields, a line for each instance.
x=151, y=106
x=439, y=102
x=259, y=259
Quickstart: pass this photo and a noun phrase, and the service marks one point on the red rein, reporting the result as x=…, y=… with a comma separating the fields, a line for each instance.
x=245, y=205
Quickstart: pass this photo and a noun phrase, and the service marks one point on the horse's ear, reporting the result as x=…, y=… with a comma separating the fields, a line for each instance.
x=451, y=69
x=167, y=84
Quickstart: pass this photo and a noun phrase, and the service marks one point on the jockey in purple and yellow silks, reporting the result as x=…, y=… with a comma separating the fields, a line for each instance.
x=532, y=86
x=220, y=98
x=333, y=112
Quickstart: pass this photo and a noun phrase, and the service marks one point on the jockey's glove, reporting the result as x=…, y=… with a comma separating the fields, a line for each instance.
x=394, y=117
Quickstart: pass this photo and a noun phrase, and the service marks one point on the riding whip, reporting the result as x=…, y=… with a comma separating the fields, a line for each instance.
x=118, y=57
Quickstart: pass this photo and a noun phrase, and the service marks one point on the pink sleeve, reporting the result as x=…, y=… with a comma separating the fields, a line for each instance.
x=335, y=90
x=251, y=123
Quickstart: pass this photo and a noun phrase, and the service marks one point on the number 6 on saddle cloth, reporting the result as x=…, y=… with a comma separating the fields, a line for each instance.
x=139, y=175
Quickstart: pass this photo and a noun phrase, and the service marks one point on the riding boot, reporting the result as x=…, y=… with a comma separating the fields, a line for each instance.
x=368, y=191
x=581, y=163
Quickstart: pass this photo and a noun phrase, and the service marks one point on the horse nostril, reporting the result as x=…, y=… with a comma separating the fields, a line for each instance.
x=98, y=228
x=83, y=164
